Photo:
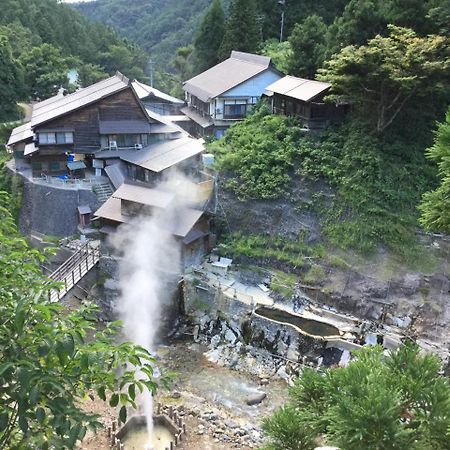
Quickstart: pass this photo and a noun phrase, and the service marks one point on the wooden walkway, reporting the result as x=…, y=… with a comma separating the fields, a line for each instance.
x=73, y=270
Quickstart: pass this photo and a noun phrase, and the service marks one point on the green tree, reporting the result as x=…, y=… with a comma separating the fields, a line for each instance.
x=10, y=82
x=90, y=73
x=385, y=76
x=308, y=47
x=48, y=364
x=183, y=62
x=360, y=21
x=435, y=206
x=209, y=37
x=382, y=402
x=45, y=71
x=279, y=52
x=242, y=29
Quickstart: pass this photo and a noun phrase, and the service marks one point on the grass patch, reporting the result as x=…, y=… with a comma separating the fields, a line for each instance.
x=283, y=283
x=315, y=275
x=266, y=248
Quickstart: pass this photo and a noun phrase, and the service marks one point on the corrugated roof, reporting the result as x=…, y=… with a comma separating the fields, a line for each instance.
x=124, y=127
x=170, y=127
x=144, y=195
x=20, y=133
x=144, y=90
x=111, y=210
x=184, y=221
x=224, y=76
x=84, y=209
x=298, y=88
x=164, y=154
x=30, y=148
x=203, y=121
x=76, y=165
x=58, y=105
x=116, y=174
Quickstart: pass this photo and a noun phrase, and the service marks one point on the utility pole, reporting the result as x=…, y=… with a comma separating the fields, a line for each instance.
x=283, y=5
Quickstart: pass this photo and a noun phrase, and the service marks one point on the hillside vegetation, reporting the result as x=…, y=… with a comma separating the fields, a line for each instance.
x=41, y=40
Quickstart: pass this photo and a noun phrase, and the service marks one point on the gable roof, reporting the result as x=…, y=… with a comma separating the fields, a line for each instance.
x=298, y=88
x=226, y=75
x=162, y=155
x=59, y=104
x=144, y=91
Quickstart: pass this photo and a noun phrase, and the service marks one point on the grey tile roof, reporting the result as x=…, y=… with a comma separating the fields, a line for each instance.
x=224, y=76
x=164, y=154
x=298, y=88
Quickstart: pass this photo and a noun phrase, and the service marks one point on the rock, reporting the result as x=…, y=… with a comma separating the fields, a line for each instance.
x=176, y=394
x=230, y=336
x=264, y=381
x=256, y=399
x=231, y=424
x=196, y=331
x=215, y=340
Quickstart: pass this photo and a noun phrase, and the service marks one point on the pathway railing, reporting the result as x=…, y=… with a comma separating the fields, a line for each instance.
x=73, y=270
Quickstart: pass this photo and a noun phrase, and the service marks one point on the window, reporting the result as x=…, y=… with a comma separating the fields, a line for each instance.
x=126, y=140
x=235, y=109
x=54, y=166
x=36, y=165
x=62, y=137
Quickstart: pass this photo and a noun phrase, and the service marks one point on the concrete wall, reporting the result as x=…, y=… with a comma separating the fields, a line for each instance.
x=51, y=210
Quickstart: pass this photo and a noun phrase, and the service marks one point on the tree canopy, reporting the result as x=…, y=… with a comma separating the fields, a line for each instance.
x=209, y=37
x=48, y=364
x=436, y=204
x=242, y=29
x=386, y=75
x=382, y=402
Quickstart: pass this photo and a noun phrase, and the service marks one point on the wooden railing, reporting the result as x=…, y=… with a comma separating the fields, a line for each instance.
x=73, y=270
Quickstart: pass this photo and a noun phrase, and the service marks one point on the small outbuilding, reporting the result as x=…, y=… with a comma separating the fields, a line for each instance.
x=292, y=96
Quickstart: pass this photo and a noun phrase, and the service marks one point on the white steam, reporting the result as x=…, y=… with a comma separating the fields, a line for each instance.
x=150, y=258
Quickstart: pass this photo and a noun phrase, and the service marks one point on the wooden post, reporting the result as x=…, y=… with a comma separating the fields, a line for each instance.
x=184, y=428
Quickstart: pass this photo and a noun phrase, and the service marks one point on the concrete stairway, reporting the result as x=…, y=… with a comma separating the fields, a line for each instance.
x=103, y=191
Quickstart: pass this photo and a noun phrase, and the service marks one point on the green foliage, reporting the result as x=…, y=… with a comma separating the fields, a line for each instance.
x=315, y=275
x=283, y=283
x=242, y=29
x=90, y=73
x=381, y=402
x=280, y=52
x=259, y=153
x=267, y=248
x=389, y=74
x=45, y=71
x=48, y=365
x=8, y=75
x=209, y=37
x=435, y=206
x=307, y=42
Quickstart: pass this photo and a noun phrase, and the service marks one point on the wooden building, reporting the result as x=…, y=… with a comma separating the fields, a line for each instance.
x=189, y=224
x=292, y=96
x=226, y=93
x=106, y=115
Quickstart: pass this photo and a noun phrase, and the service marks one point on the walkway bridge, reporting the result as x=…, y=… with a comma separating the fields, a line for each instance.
x=74, y=269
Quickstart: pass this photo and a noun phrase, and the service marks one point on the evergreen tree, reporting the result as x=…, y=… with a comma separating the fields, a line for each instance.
x=9, y=76
x=242, y=29
x=436, y=204
x=209, y=37
x=308, y=46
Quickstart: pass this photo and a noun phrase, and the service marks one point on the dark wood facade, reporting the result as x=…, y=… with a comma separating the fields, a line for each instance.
x=84, y=123
x=316, y=114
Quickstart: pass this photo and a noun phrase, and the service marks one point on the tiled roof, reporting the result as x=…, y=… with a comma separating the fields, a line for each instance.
x=224, y=76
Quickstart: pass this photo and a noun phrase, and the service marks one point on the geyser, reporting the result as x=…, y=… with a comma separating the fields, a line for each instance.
x=150, y=257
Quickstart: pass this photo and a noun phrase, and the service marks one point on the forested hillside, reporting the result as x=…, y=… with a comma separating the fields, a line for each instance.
x=41, y=40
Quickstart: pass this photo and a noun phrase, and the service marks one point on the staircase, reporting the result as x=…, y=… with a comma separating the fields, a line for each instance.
x=73, y=270
x=103, y=191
